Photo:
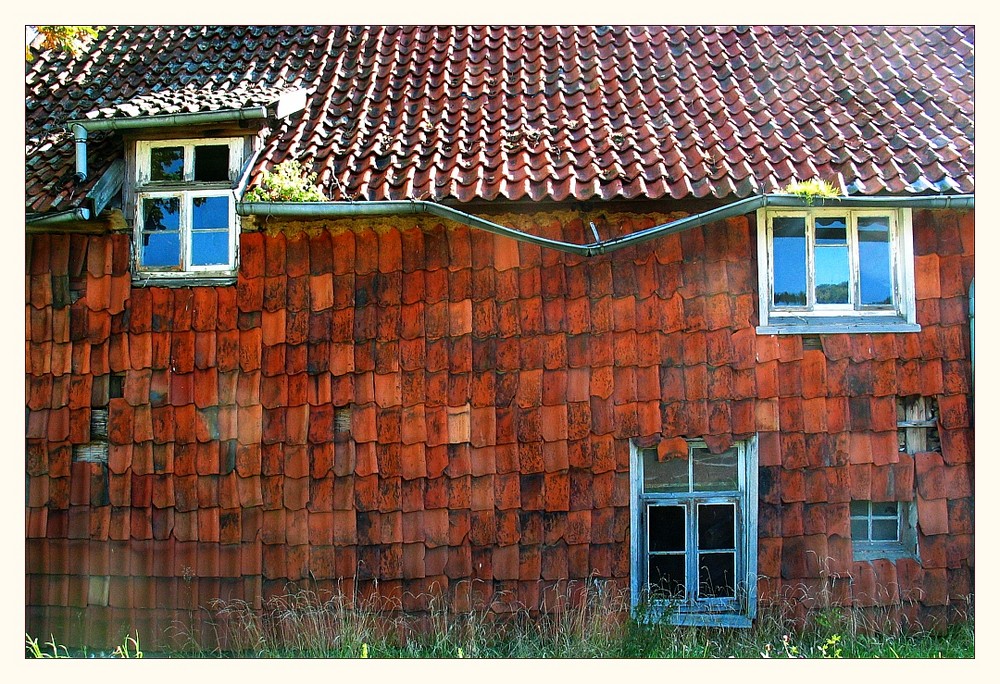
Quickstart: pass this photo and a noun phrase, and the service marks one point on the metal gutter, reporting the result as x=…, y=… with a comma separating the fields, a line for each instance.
x=182, y=119
x=80, y=214
x=82, y=127
x=740, y=207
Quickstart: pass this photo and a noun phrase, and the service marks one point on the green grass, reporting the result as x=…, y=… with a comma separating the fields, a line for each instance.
x=304, y=625
x=597, y=624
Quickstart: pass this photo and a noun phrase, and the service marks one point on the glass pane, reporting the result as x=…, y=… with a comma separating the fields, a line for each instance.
x=670, y=475
x=210, y=212
x=789, y=247
x=161, y=249
x=716, y=526
x=715, y=472
x=859, y=508
x=666, y=576
x=859, y=529
x=211, y=163
x=875, y=264
x=885, y=508
x=666, y=528
x=833, y=270
x=717, y=575
x=831, y=231
x=166, y=164
x=833, y=274
x=210, y=248
x=885, y=530
x=161, y=213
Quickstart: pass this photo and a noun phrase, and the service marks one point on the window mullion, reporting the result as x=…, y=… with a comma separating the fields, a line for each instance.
x=810, y=262
x=691, y=551
x=770, y=261
x=185, y=228
x=188, y=163
x=854, y=260
x=895, y=257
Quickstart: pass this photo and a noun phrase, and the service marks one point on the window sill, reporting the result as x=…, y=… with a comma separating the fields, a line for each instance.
x=695, y=619
x=181, y=280
x=890, y=553
x=801, y=325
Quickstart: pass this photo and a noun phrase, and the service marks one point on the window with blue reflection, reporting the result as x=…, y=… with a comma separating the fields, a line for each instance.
x=184, y=213
x=161, y=240
x=210, y=231
x=210, y=248
x=210, y=212
x=789, y=251
x=875, y=261
x=833, y=266
x=161, y=213
x=166, y=164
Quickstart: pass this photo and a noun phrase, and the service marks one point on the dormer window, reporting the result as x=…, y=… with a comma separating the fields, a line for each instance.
x=185, y=220
x=832, y=269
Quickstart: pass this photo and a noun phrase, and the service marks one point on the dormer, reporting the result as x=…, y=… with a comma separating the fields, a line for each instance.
x=188, y=155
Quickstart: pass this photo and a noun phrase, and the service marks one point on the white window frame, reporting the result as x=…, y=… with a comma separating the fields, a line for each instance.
x=186, y=191
x=904, y=546
x=738, y=612
x=834, y=318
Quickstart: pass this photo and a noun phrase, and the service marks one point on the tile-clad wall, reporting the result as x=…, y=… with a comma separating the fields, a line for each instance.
x=486, y=393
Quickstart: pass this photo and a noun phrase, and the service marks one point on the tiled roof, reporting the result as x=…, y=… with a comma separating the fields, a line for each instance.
x=476, y=113
x=189, y=101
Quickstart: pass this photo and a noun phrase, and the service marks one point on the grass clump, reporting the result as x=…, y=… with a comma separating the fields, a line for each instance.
x=33, y=650
x=129, y=648
x=812, y=188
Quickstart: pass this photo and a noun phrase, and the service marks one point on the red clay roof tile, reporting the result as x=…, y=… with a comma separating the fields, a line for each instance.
x=538, y=178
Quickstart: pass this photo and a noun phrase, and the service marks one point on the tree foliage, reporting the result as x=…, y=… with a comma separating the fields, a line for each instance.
x=71, y=39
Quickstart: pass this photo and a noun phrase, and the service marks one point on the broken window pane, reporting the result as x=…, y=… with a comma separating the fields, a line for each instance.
x=716, y=526
x=667, y=576
x=716, y=575
x=666, y=528
x=211, y=163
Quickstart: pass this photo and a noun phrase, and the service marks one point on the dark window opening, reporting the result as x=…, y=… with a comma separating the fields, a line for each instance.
x=211, y=163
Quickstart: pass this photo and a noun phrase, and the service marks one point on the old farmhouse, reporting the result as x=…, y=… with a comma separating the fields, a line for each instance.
x=564, y=308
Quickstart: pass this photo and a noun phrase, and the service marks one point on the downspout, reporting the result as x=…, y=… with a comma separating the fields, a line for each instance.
x=80, y=141
x=972, y=334
x=738, y=208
